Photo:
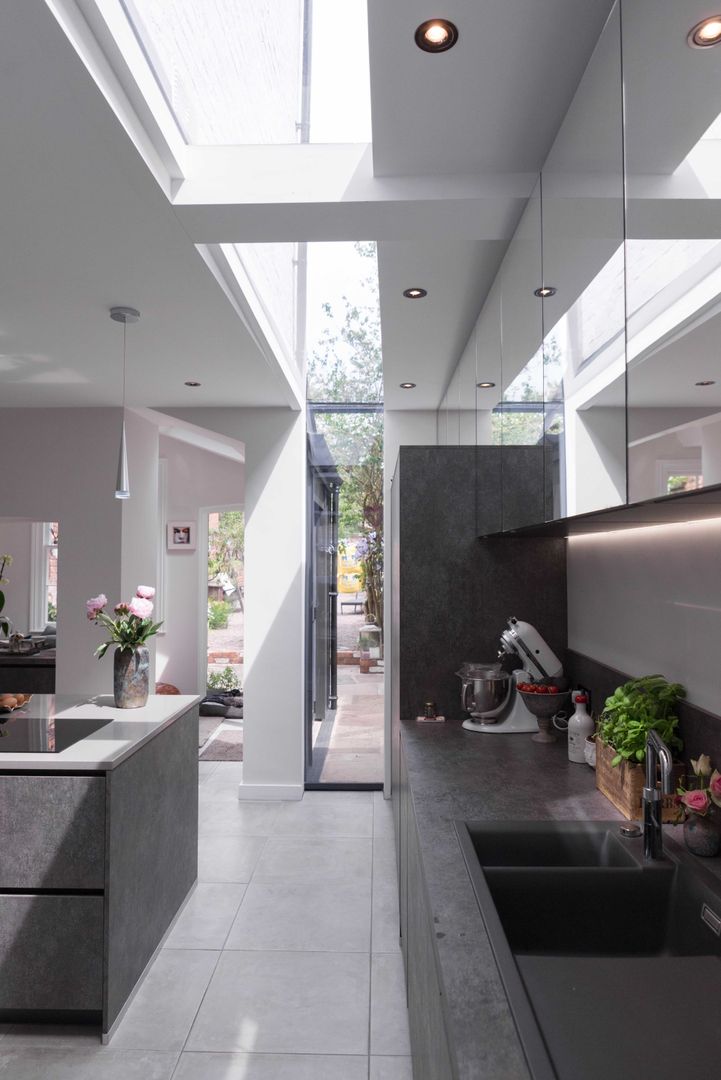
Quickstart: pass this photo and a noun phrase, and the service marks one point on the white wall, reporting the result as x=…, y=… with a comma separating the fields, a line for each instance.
x=65, y=463
x=195, y=478
x=16, y=540
x=649, y=600
x=274, y=670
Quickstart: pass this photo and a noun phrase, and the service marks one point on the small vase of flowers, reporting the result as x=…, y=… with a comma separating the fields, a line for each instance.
x=129, y=630
x=698, y=807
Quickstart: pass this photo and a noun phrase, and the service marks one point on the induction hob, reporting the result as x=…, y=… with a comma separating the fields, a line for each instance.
x=40, y=735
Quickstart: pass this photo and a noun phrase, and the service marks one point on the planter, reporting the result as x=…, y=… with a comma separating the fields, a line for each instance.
x=131, y=670
x=623, y=784
x=702, y=835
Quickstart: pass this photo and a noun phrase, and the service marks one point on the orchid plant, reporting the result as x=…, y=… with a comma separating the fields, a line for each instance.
x=5, y=560
x=132, y=625
x=706, y=793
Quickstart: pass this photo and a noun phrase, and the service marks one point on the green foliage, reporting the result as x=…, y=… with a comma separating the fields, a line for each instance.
x=52, y=612
x=127, y=632
x=347, y=366
x=218, y=612
x=634, y=709
x=226, y=546
x=223, y=680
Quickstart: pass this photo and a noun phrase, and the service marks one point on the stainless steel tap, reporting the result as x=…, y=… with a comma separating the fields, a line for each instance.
x=656, y=753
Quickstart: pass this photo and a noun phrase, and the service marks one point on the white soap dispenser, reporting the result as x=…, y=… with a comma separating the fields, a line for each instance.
x=580, y=725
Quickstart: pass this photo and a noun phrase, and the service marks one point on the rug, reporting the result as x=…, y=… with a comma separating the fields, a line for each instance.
x=226, y=746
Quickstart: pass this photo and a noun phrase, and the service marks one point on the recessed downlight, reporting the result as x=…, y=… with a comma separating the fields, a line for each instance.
x=191, y=382
x=706, y=33
x=408, y=386
x=485, y=385
x=545, y=291
x=706, y=382
x=436, y=35
x=415, y=293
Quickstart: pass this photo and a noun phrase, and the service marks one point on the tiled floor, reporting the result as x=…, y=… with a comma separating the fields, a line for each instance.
x=350, y=749
x=283, y=966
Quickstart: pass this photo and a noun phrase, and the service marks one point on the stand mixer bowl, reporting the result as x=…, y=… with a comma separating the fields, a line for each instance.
x=485, y=689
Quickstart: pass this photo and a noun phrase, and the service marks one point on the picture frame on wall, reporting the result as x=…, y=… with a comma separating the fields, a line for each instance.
x=181, y=536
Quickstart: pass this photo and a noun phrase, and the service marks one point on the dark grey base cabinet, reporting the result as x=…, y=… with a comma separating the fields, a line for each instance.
x=429, y=1043
x=93, y=869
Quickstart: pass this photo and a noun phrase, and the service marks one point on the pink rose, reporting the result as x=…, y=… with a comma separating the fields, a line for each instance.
x=140, y=607
x=147, y=592
x=715, y=787
x=698, y=801
x=96, y=605
x=121, y=608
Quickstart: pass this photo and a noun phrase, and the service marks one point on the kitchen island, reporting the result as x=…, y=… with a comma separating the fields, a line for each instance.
x=99, y=853
x=461, y=1024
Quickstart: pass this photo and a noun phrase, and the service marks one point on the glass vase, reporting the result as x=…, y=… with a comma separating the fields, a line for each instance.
x=131, y=670
x=702, y=835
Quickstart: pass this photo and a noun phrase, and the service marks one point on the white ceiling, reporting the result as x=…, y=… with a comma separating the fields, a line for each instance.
x=84, y=225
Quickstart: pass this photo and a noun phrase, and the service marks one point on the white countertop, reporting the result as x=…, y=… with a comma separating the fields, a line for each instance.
x=127, y=731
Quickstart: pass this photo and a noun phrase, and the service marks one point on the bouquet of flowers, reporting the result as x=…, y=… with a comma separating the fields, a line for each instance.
x=706, y=792
x=132, y=625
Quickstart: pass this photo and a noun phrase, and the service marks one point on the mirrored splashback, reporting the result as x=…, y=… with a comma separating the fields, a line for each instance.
x=673, y=249
x=599, y=339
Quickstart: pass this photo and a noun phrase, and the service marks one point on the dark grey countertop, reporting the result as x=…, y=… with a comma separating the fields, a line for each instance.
x=453, y=773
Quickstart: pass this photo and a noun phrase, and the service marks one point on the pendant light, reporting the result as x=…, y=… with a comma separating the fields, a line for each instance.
x=123, y=315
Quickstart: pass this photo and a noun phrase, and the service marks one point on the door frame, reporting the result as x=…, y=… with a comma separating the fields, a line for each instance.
x=202, y=548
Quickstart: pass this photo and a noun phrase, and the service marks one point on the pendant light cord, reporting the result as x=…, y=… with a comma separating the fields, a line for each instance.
x=125, y=331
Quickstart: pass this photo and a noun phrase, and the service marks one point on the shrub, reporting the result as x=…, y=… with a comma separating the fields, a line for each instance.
x=223, y=680
x=218, y=612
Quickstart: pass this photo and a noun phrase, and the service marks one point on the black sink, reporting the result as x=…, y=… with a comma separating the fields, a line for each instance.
x=599, y=951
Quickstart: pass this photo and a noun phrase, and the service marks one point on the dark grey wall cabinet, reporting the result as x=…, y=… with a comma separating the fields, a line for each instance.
x=453, y=593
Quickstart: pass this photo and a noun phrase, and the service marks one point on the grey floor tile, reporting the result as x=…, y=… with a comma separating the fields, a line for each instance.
x=161, y=1014
x=355, y=798
x=285, y=1003
x=334, y=817
x=58, y=1036
x=207, y=1066
x=391, y=1068
x=99, y=1064
x=389, y=1015
x=306, y=860
x=382, y=815
x=385, y=916
x=220, y=809
x=228, y=771
x=385, y=866
x=207, y=917
x=320, y=918
x=206, y=770
x=228, y=858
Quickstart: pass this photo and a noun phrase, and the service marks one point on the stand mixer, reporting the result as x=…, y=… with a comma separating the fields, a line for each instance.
x=489, y=693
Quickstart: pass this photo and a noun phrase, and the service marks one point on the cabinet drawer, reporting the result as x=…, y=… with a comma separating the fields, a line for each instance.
x=51, y=952
x=54, y=832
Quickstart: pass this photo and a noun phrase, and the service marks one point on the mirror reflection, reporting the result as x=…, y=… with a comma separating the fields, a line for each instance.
x=28, y=604
x=673, y=250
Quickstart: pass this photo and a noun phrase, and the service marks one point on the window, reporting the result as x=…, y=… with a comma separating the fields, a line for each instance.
x=44, y=582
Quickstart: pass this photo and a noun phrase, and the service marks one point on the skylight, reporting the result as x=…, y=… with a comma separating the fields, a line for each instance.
x=233, y=73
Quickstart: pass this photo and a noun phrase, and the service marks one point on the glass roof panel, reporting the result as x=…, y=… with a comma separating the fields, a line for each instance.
x=343, y=328
x=232, y=72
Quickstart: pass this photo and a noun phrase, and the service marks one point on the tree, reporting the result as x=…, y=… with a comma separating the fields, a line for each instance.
x=226, y=546
x=347, y=367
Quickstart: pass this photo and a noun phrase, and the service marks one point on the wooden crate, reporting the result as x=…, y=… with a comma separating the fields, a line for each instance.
x=623, y=784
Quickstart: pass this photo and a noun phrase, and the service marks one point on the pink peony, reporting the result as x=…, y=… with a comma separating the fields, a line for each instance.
x=121, y=608
x=698, y=801
x=95, y=605
x=140, y=607
x=147, y=592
